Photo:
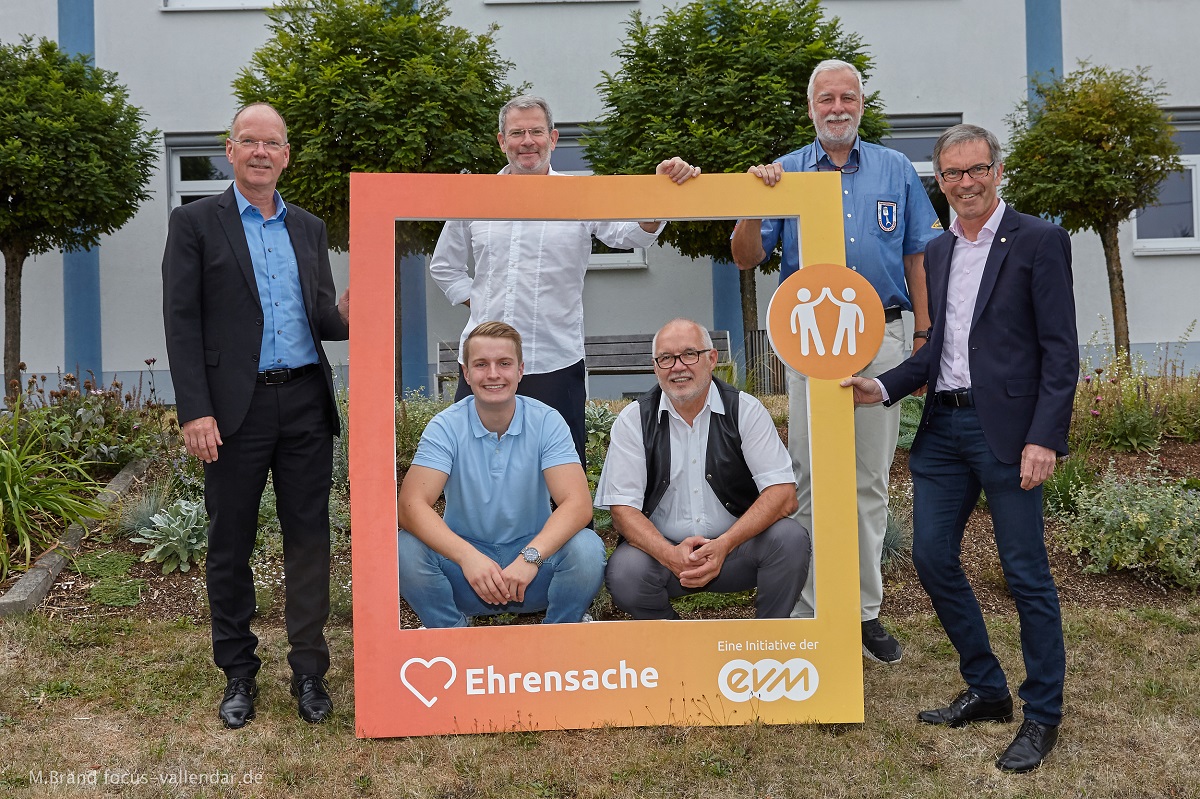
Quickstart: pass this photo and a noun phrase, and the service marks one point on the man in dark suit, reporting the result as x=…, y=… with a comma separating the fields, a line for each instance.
x=1002, y=364
x=248, y=298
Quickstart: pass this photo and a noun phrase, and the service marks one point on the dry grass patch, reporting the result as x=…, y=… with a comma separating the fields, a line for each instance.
x=117, y=697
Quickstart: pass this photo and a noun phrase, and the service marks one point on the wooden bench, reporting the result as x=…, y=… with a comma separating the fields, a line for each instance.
x=603, y=355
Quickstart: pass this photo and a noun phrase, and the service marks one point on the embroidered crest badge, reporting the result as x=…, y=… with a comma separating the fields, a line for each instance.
x=885, y=214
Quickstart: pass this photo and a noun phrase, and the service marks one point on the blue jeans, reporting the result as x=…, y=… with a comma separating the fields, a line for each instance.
x=950, y=462
x=565, y=585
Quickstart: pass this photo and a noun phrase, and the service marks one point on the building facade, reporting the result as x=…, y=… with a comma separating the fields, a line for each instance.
x=936, y=62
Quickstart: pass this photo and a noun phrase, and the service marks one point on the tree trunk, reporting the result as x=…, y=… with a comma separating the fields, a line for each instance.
x=749, y=290
x=14, y=262
x=1116, y=291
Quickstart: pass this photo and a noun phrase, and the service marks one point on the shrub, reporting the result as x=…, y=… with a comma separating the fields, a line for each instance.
x=1146, y=524
x=138, y=511
x=911, y=409
x=41, y=493
x=101, y=425
x=1061, y=491
x=178, y=536
x=413, y=412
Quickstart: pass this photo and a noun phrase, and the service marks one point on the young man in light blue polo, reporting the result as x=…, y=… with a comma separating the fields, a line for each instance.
x=500, y=458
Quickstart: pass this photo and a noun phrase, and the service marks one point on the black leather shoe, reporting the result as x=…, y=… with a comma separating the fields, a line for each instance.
x=968, y=707
x=312, y=697
x=1027, y=751
x=238, y=705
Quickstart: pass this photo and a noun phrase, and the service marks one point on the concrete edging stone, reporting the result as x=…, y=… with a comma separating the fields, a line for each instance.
x=29, y=591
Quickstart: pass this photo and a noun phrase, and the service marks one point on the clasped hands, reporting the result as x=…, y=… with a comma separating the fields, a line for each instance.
x=494, y=585
x=696, y=560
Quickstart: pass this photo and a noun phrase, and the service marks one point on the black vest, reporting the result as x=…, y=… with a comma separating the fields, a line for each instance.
x=725, y=466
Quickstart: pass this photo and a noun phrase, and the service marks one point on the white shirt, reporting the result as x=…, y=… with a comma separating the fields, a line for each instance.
x=966, y=273
x=689, y=507
x=530, y=275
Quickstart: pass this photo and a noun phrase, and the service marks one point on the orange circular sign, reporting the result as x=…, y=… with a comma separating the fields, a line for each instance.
x=826, y=321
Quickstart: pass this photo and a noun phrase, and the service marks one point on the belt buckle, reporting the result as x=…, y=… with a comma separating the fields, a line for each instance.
x=274, y=377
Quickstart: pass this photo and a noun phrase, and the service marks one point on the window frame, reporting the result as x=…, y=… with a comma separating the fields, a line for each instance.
x=1189, y=245
x=191, y=144
x=217, y=5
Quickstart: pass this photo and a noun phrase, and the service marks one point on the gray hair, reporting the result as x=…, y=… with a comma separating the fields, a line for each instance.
x=831, y=65
x=705, y=338
x=963, y=134
x=248, y=106
x=524, y=102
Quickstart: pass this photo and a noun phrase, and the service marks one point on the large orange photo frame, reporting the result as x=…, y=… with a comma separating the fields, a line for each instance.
x=630, y=673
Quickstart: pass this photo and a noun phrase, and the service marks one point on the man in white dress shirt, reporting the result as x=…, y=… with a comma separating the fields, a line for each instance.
x=529, y=274
x=700, y=488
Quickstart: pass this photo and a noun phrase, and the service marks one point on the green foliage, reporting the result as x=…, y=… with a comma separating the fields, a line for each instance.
x=911, y=409
x=413, y=412
x=724, y=82
x=1131, y=406
x=104, y=564
x=178, y=536
x=116, y=592
x=1061, y=490
x=41, y=492
x=74, y=161
x=137, y=512
x=104, y=426
x=366, y=86
x=1091, y=148
x=340, y=485
x=1145, y=523
x=708, y=600
x=598, y=420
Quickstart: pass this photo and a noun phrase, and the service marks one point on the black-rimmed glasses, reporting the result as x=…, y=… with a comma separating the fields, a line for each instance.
x=687, y=358
x=977, y=172
x=848, y=169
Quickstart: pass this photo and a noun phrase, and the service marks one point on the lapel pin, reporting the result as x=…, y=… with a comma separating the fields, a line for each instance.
x=1002, y=239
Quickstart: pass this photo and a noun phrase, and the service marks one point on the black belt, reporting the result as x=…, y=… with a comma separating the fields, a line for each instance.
x=892, y=314
x=959, y=398
x=273, y=377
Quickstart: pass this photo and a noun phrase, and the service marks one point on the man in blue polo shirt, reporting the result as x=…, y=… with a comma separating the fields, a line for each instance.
x=501, y=459
x=888, y=221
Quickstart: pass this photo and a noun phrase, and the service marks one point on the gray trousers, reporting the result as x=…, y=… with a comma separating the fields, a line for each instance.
x=775, y=562
x=875, y=431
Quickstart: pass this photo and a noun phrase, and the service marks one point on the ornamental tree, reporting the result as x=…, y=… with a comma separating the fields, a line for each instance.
x=723, y=83
x=74, y=164
x=376, y=86
x=1090, y=148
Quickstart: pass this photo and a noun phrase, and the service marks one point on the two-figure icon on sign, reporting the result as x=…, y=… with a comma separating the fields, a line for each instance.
x=851, y=321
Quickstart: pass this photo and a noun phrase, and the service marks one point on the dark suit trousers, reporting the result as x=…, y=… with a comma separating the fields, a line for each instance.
x=287, y=431
x=950, y=462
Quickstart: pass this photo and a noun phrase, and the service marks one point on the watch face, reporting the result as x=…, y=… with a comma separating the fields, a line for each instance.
x=531, y=555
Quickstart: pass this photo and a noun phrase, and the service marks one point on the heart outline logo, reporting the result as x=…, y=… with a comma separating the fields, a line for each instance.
x=427, y=664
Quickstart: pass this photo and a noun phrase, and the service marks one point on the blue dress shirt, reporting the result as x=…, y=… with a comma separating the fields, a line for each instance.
x=287, y=341
x=886, y=213
x=495, y=490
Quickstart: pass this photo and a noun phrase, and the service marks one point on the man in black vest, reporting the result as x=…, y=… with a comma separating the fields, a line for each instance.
x=700, y=488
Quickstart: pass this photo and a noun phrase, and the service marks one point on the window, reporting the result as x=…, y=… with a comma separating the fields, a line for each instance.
x=571, y=158
x=197, y=167
x=915, y=136
x=1169, y=228
x=216, y=5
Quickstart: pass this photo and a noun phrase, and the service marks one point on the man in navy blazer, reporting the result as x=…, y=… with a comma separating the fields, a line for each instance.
x=1002, y=365
x=248, y=298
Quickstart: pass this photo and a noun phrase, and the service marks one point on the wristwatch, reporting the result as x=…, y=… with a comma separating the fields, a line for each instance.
x=921, y=334
x=531, y=555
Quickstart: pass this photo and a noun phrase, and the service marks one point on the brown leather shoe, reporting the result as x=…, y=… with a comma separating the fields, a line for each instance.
x=968, y=707
x=1027, y=751
x=237, y=707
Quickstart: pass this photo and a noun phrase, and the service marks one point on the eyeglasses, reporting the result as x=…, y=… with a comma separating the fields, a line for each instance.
x=517, y=135
x=978, y=171
x=848, y=169
x=687, y=358
x=252, y=144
